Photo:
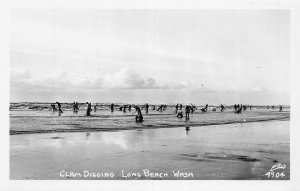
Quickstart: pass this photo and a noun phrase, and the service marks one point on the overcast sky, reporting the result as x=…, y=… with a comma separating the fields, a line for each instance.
x=154, y=56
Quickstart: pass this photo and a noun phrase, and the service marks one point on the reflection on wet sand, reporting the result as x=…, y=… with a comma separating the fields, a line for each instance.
x=209, y=152
x=187, y=129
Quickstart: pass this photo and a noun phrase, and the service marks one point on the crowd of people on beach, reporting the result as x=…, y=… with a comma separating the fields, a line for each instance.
x=189, y=109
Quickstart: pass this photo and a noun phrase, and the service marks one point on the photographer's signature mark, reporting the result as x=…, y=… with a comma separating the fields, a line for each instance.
x=274, y=171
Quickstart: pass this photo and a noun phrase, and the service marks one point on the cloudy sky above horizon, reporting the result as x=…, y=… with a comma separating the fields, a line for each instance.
x=155, y=56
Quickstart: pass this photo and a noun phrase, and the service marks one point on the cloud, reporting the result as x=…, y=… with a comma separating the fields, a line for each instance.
x=182, y=85
x=128, y=78
x=125, y=78
x=118, y=86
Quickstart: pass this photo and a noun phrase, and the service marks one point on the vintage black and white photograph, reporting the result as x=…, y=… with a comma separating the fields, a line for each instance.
x=149, y=94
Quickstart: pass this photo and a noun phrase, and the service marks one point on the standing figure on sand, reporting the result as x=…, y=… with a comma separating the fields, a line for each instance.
x=75, y=107
x=112, y=107
x=176, y=108
x=187, y=112
x=124, y=108
x=89, y=109
x=147, y=107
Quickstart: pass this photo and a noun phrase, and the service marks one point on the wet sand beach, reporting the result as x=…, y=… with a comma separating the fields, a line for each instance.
x=227, y=151
x=35, y=121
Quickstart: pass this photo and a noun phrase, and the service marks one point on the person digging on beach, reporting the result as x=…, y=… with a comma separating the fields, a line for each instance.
x=239, y=110
x=59, y=107
x=193, y=108
x=222, y=107
x=139, y=116
x=203, y=110
x=129, y=108
x=179, y=114
x=164, y=108
x=235, y=107
x=153, y=107
x=53, y=108
x=280, y=108
x=160, y=108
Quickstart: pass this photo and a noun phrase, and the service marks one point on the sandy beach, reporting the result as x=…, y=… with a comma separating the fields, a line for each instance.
x=224, y=151
x=45, y=121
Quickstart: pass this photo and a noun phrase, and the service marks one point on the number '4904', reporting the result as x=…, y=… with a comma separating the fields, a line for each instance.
x=272, y=174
